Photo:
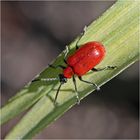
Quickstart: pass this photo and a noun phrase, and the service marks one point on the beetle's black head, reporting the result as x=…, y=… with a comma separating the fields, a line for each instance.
x=62, y=79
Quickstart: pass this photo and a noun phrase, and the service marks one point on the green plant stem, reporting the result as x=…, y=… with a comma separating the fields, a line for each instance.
x=118, y=30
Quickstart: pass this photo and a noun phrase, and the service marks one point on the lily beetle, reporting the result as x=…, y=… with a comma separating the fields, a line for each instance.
x=84, y=59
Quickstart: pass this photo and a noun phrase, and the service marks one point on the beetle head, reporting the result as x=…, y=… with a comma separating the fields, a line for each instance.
x=62, y=78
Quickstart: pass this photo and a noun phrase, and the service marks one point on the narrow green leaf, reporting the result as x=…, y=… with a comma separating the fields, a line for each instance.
x=118, y=30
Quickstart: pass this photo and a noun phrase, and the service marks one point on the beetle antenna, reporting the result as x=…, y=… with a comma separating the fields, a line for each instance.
x=46, y=79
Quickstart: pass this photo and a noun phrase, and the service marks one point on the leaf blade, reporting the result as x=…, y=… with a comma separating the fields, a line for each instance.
x=127, y=47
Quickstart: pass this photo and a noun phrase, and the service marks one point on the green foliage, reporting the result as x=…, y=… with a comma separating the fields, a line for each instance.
x=118, y=30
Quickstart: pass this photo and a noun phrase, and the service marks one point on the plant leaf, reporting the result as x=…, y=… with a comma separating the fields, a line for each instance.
x=118, y=30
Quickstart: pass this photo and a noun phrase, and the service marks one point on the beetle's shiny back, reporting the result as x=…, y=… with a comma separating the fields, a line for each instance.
x=86, y=57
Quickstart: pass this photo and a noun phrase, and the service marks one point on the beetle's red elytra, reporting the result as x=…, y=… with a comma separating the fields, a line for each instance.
x=84, y=59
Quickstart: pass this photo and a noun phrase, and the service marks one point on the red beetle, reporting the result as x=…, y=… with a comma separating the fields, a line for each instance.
x=83, y=60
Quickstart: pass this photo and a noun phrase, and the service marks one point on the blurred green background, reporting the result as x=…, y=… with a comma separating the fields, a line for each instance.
x=33, y=34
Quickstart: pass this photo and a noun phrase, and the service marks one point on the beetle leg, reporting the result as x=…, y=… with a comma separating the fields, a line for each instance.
x=80, y=78
x=58, y=66
x=50, y=79
x=77, y=96
x=65, y=61
x=77, y=47
x=57, y=93
x=105, y=68
x=82, y=34
x=66, y=51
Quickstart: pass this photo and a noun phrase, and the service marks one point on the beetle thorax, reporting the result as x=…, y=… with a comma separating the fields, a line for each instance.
x=68, y=72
